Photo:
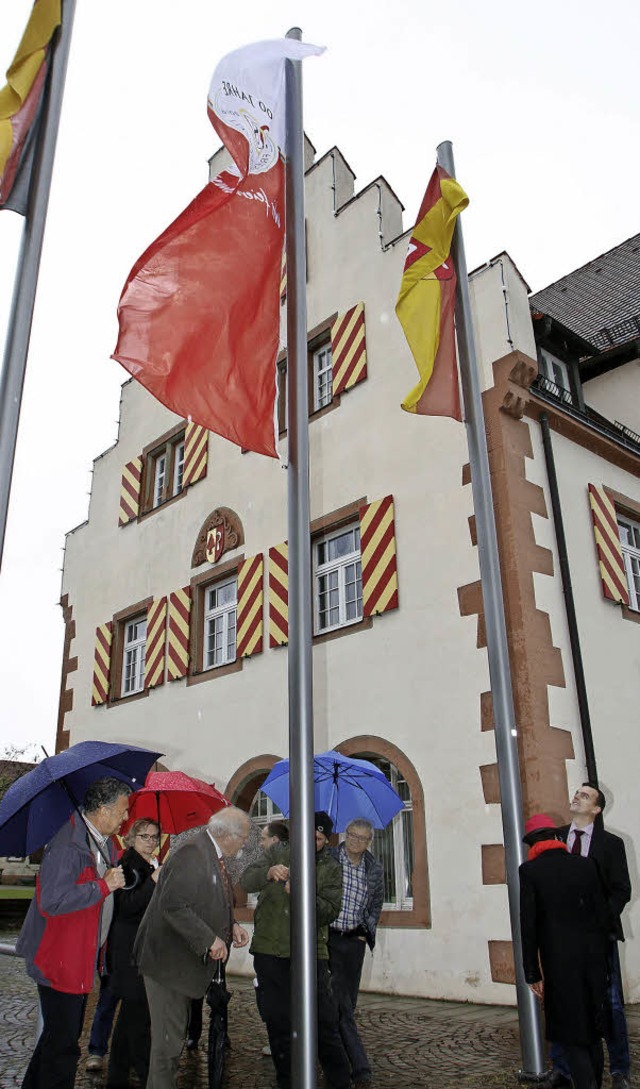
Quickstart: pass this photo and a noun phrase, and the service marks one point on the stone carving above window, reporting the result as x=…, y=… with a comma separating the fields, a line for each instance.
x=221, y=532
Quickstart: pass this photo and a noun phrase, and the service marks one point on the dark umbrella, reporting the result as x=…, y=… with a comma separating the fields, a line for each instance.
x=218, y=999
x=37, y=805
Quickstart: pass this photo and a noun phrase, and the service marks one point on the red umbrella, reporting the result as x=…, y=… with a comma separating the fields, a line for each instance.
x=175, y=801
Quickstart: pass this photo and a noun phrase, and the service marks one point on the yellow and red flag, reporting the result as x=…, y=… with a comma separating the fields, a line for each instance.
x=200, y=311
x=426, y=301
x=20, y=97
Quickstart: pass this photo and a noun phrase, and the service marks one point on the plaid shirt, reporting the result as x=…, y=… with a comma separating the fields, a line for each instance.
x=354, y=893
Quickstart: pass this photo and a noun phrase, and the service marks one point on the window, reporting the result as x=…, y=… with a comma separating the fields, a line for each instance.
x=337, y=579
x=554, y=370
x=164, y=470
x=630, y=539
x=220, y=608
x=393, y=845
x=322, y=377
x=133, y=656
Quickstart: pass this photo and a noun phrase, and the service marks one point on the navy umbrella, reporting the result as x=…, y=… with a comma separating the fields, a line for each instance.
x=37, y=805
x=344, y=787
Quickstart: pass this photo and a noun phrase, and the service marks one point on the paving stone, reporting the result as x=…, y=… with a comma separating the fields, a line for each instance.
x=413, y=1043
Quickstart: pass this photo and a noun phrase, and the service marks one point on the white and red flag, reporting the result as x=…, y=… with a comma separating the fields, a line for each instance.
x=199, y=314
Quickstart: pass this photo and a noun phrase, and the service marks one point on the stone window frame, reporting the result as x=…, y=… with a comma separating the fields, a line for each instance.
x=628, y=508
x=168, y=442
x=221, y=572
x=119, y=622
x=250, y=776
x=316, y=339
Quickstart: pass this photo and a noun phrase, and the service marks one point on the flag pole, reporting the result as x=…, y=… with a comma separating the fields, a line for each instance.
x=505, y=728
x=26, y=281
x=301, y=810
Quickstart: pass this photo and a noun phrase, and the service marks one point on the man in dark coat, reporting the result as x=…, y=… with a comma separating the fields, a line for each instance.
x=587, y=836
x=565, y=924
x=187, y=928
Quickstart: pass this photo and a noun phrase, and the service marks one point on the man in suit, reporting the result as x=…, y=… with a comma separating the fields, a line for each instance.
x=564, y=924
x=187, y=928
x=586, y=836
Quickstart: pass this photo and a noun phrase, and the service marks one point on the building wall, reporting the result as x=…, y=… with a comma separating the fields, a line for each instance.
x=615, y=395
x=416, y=678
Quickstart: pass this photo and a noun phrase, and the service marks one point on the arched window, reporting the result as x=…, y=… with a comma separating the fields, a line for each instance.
x=262, y=810
x=401, y=846
x=393, y=845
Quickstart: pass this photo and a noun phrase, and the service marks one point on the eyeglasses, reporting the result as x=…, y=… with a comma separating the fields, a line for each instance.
x=360, y=839
x=147, y=837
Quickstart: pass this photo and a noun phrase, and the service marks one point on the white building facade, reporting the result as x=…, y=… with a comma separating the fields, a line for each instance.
x=175, y=589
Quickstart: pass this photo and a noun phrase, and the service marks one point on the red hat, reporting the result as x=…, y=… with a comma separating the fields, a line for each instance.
x=537, y=823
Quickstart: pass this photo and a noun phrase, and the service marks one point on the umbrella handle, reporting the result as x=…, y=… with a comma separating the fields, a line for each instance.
x=136, y=881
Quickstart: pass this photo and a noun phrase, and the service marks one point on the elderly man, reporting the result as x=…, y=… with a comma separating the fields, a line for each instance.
x=187, y=928
x=66, y=928
x=351, y=931
x=271, y=948
x=587, y=836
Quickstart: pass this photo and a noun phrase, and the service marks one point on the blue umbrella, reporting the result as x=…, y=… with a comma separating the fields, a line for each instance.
x=37, y=805
x=344, y=788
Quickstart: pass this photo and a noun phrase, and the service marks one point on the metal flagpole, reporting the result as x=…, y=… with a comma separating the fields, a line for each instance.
x=302, y=834
x=506, y=733
x=19, y=328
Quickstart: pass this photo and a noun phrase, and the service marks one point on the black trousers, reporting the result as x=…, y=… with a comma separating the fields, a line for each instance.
x=346, y=954
x=274, y=978
x=55, y=1059
x=586, y=1065
x=130, y=1043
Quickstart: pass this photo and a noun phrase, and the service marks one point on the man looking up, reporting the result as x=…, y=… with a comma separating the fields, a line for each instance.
x=349, y=934
x=66, y=928
x=586, y=836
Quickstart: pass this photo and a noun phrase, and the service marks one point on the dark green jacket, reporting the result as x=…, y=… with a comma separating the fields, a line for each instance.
x=272, y=918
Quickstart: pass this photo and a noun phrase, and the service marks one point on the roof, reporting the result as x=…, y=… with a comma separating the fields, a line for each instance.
x=600, y=301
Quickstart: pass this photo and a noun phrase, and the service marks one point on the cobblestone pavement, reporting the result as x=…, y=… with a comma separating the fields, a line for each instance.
x=414, y=1043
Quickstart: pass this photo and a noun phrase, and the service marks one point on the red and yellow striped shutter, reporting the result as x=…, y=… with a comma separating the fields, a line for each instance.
x=279, y=595
x=283, y=279
x=178, y=648
x=608, y=547
x=378, y=549
x=156, y=638
x=250, y=606
x=102, y=664
x=130, y=491
x=196, y=448
x=348, y=349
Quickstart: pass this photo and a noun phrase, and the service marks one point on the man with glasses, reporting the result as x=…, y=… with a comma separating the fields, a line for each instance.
x=354, y=928
x=187, y=929
x=586, y=836
x=66, y=927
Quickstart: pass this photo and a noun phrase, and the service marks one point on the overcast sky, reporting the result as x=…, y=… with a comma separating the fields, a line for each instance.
x=541, y=103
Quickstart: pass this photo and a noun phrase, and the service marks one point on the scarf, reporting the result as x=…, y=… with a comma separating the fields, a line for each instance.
x=546, y=845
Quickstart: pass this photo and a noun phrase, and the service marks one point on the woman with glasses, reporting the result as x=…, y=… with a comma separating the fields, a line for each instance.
x=132, y=1035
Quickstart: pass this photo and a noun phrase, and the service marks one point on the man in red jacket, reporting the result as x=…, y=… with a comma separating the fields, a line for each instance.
x=66, y=927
